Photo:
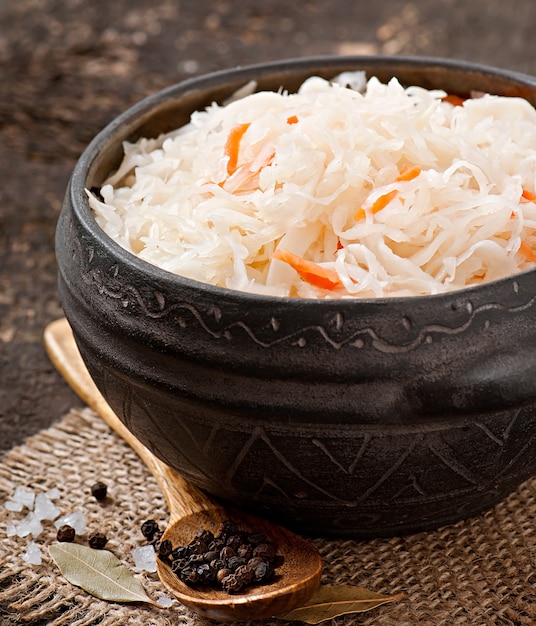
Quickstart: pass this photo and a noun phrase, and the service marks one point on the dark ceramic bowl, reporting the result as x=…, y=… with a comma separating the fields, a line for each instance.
x=337, y=417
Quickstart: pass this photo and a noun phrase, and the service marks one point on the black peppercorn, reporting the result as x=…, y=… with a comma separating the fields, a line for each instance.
x=99, y=490
x=211, y=555
x=217, y=544
x=163, y=548
x=263, y=572
x=198, y=547
x=206, y=574
x=232, y=583
x=66, y=533
x=196, y=559
x=156, y=537
x=217, y=564
x=245, y=551
x=206, y=536
x=181, y=552
x=178, y=564
x=235, y=561
x=227, y=528
x=234, y=542
x=149, y=528
x=245, y=574
x=189, y=575
x=222, y=573
x=265, y=551
x=227, y=553
x=97, y=541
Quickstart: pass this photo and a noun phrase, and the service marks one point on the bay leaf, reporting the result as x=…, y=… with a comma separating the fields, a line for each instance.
x=331, y=601
x=98, y=572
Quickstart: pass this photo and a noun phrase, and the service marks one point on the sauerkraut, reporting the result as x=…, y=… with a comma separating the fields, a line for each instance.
x=347, y=188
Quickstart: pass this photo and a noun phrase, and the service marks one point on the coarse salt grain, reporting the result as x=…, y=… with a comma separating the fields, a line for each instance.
x=33, y=554
x=76, y=520
x=11, y=505
x=164, y=602
x=11, y=529
x=44, y=508
x=30, y=525
x=53, y=493
x=144, y=558
x=24, y=496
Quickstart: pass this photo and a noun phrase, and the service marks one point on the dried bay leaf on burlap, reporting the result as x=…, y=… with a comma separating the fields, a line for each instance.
x=98, y=572
x=330, y=601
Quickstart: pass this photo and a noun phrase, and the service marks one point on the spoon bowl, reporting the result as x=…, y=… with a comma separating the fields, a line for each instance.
x=295, y=581
x=191, y=510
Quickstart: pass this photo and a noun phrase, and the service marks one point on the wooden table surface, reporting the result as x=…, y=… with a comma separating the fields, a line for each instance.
x=67, y=68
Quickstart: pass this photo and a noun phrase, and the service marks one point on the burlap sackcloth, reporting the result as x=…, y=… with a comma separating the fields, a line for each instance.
x=481, y=571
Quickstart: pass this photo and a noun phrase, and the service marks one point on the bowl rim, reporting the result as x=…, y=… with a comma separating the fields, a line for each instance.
x=79, y=202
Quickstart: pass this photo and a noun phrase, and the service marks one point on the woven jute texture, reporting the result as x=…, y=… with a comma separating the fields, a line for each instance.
x=481, y=571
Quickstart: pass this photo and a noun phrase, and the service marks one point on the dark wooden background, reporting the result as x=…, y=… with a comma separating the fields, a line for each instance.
x=67, y=67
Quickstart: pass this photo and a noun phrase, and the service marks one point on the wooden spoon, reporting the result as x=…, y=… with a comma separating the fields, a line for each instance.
x=191, y=510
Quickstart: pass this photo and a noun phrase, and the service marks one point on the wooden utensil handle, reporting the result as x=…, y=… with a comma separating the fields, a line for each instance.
x=182, y=497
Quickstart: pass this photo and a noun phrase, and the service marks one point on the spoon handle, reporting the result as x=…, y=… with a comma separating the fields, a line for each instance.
x=182, y=498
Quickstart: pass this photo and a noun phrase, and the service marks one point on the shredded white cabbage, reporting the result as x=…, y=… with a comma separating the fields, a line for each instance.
x=387, y=191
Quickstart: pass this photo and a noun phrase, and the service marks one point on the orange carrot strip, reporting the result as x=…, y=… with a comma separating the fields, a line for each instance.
x=232, y=146
x=310, y=272
x=360, y=214
x=245, y=174
x=408, y=173
x=378, y=205
x=527, y=252
x=454, y=99
x=293, y=119
x=528, y=195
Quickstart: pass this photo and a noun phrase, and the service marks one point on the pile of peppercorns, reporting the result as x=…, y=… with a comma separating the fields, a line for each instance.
x=230, y=560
